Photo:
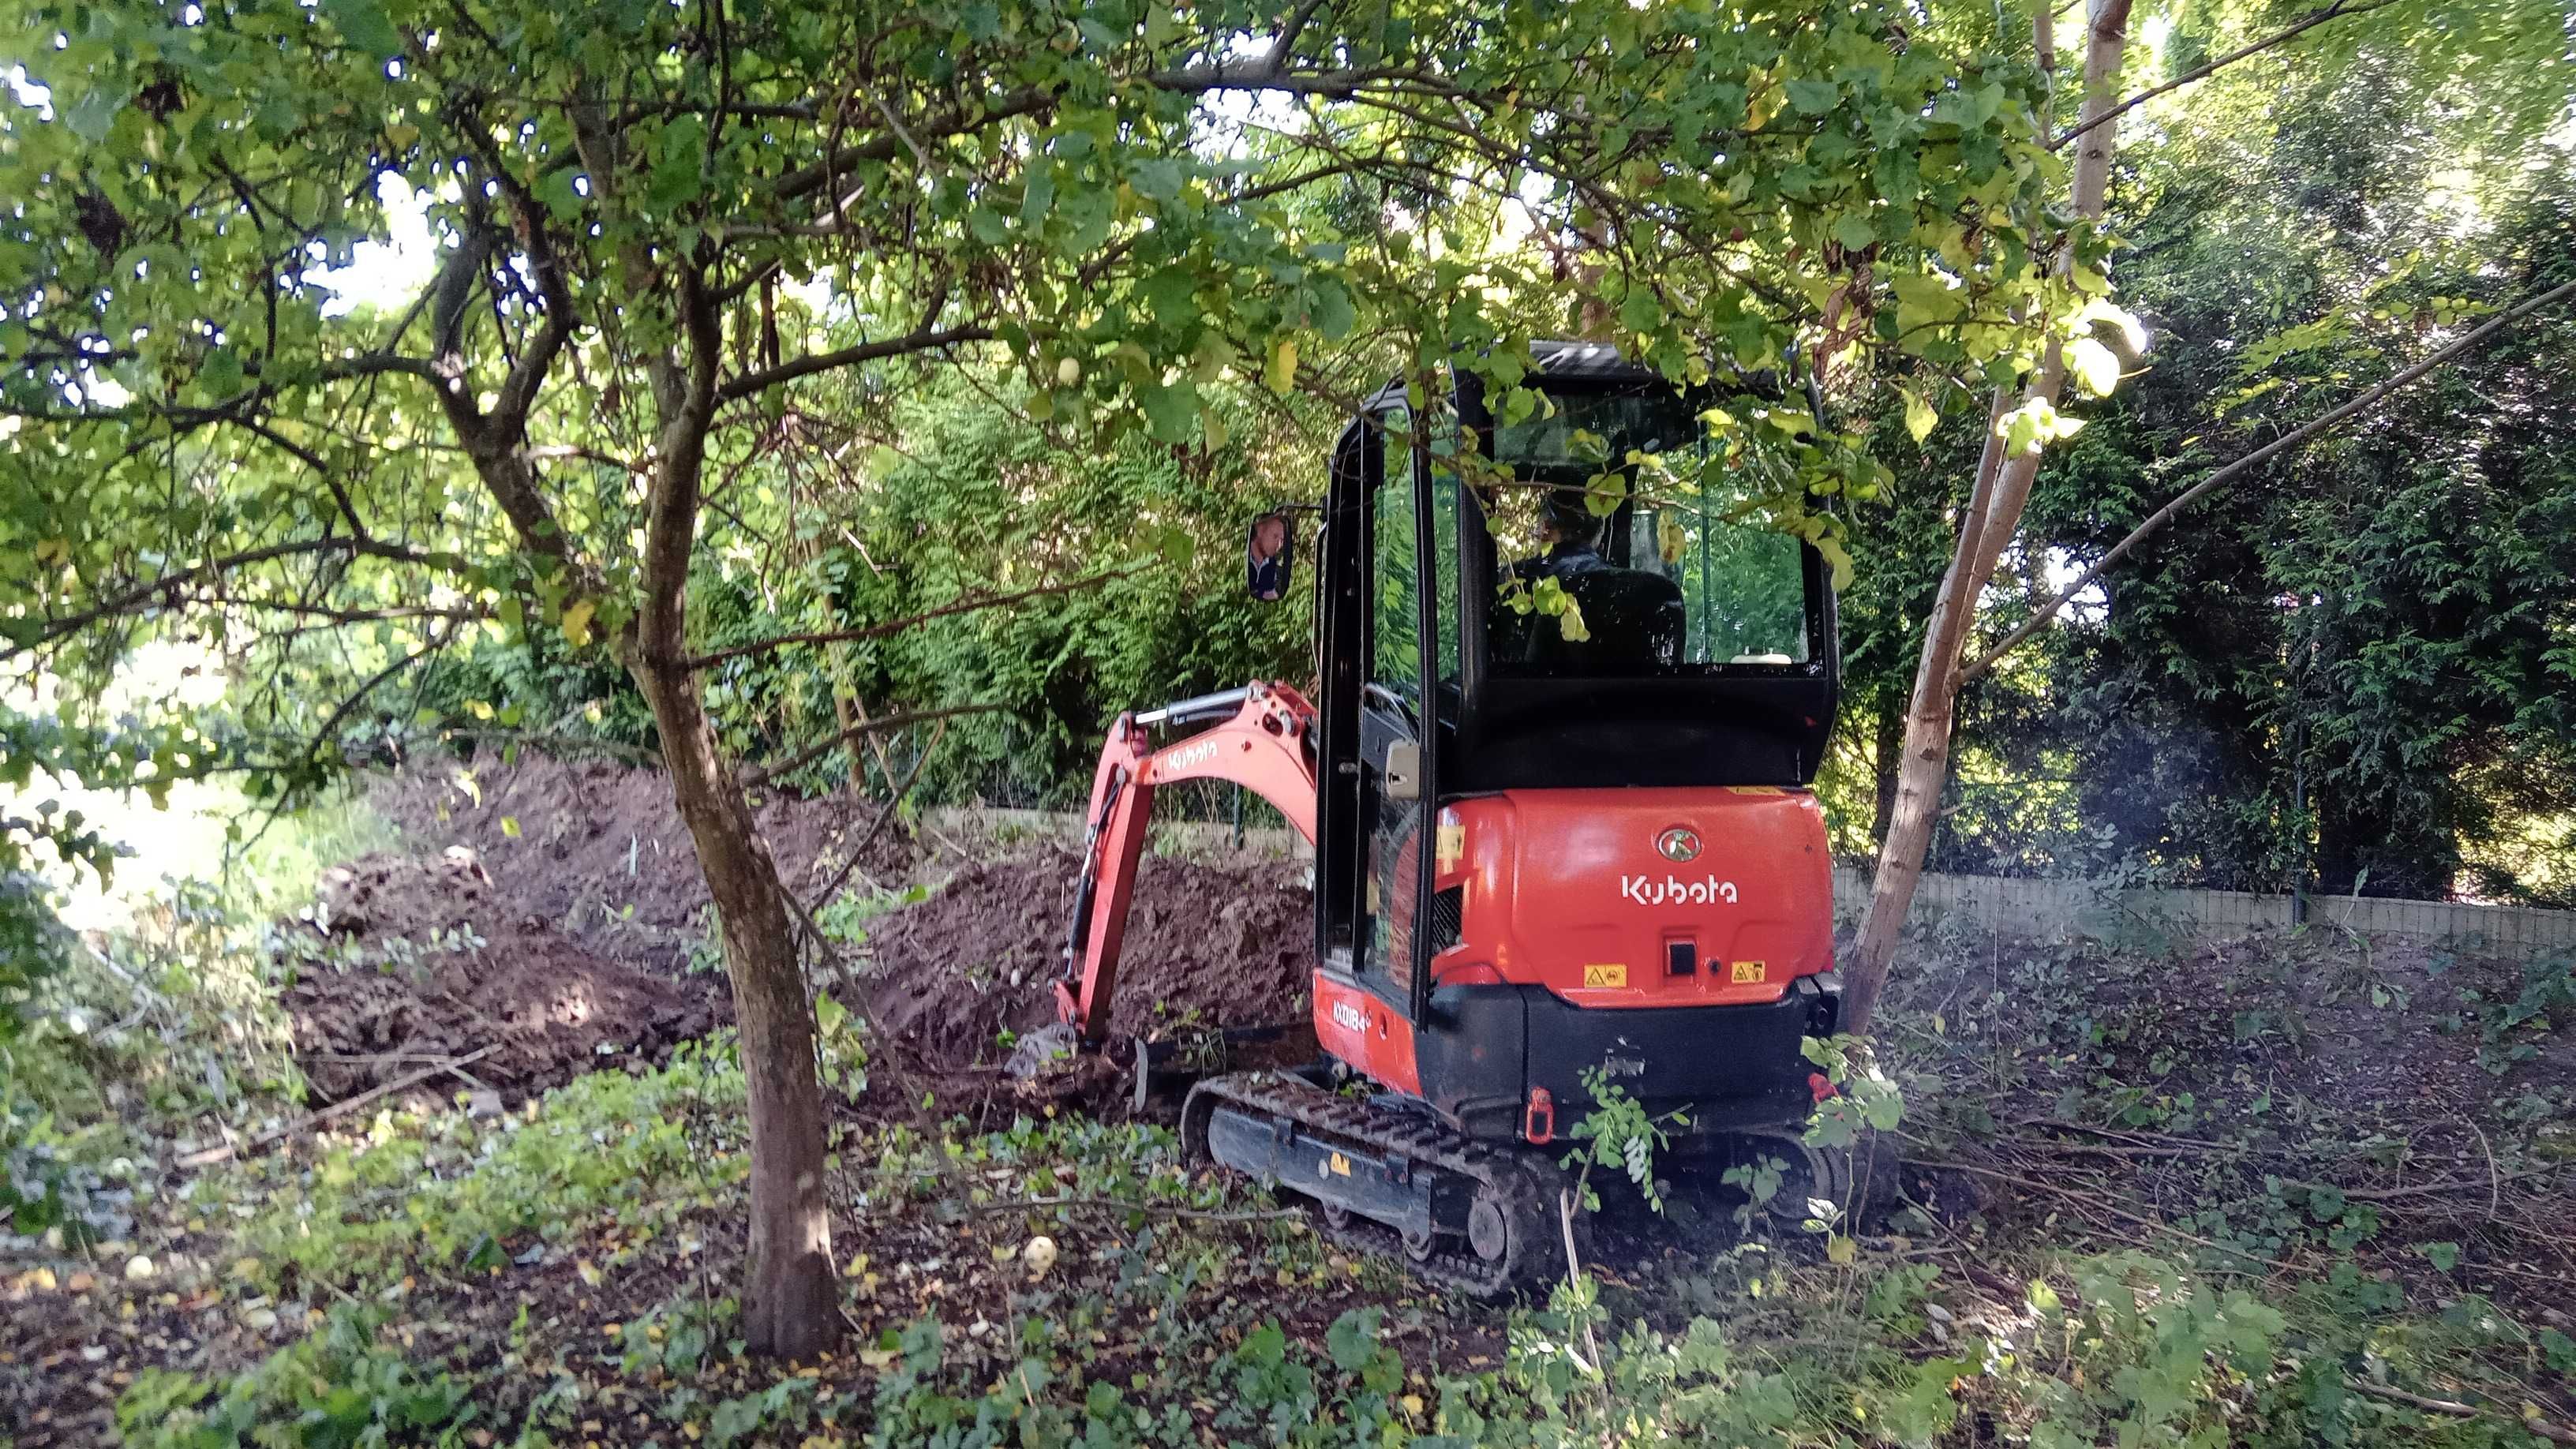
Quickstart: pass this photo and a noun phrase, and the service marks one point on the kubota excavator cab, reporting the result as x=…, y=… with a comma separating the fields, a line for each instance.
x=1625, y=873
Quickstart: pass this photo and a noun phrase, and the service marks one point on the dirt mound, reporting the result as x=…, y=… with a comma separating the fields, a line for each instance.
x=1207, y=944
x=596, y=850
x=407, y=961
x=584, y=865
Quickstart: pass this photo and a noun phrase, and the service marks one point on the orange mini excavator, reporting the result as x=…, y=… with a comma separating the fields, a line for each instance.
x=1561, y=826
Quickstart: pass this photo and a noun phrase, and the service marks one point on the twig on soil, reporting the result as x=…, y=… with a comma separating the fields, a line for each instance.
x=2071, y=1194
x=2555, y=1433
x=2125, y=1151
x=2124, y=1133
x=1201, y=1215
x=2494, y=1185
x=2192, y=1146
x=207, y=1157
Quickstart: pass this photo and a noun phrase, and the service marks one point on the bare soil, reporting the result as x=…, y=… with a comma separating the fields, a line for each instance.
x=423, y=962
x=553, y=911
x=549, y=910
x=597, y=852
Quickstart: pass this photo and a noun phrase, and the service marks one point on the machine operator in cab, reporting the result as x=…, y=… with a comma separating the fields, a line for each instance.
x=1630, y=618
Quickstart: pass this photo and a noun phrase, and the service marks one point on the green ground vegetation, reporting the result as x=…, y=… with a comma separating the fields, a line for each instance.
x=2153, y=1198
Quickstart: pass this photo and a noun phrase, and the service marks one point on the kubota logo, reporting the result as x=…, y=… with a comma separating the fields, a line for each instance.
x=1188, y=755
x=1672, y=890
x=1677, y=844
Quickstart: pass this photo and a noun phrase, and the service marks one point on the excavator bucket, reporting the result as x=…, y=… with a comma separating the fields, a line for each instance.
x=1163, y=1070
x=1167, y=1069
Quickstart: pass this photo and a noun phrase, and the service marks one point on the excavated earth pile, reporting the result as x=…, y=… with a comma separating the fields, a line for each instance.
x=408, y=961
x=552, y=912
x=548, y=910
x=1207, y=945
x=597, y=851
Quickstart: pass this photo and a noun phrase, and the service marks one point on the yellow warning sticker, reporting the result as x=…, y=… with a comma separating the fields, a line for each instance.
x=1451, y=843
x=1341, y=1165
x=1605, y=976
x=1755, y=790
x=1746, y=972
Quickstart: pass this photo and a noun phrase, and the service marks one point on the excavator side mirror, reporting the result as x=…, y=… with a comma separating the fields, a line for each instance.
x=1268, y=558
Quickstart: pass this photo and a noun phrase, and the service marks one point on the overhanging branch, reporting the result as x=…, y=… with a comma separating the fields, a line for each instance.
x=2206, y=69
x=966, y=605
x=2259, y=456
x=753, y=779
x=139, y=597
x=924, y=340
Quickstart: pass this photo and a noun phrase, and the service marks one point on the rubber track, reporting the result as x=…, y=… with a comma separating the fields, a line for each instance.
x=1525, y=1182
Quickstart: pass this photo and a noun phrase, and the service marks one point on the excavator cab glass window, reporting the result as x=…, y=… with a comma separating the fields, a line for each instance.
x=1395, y=603
x=1391, y=713
x=1615, y=556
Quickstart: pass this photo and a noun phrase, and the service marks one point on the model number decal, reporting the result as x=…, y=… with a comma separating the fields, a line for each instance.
x=1672, y=890
x=1347, y=1015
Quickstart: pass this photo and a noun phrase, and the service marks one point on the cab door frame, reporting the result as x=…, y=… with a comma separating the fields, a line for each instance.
x=1354, y=734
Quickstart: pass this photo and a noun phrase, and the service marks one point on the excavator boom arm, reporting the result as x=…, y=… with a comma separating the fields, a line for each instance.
x=1263, y=741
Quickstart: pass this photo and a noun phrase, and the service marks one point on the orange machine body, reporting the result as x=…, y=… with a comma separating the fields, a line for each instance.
x=1612, y=917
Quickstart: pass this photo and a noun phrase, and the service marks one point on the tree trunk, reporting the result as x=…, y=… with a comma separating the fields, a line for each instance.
x=1993, y=515
x=790, y=1299
x=789, y=1304
x=1886, y=748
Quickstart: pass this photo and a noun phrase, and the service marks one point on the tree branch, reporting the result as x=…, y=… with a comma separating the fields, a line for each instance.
x=927, y=338
x=1277, y=63
x=312, y=460
x=375, y=681
x=885, y=148
x=2205, y=70
x=966, y=605
x=754, y=779
x=2232, y=471
x=894, y=802
x=139, y=596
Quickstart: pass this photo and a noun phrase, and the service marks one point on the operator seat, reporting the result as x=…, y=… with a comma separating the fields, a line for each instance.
x=1635, y=618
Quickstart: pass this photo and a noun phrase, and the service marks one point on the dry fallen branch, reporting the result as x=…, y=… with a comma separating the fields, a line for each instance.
x=207, y=1157
x=2089, y=1200
x=1201, y=1215
x=2543, y=1428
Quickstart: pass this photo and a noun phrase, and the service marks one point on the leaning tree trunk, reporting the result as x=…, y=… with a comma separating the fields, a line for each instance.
x=789, y=1309
x=790, y=1306
x=1992, y=517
